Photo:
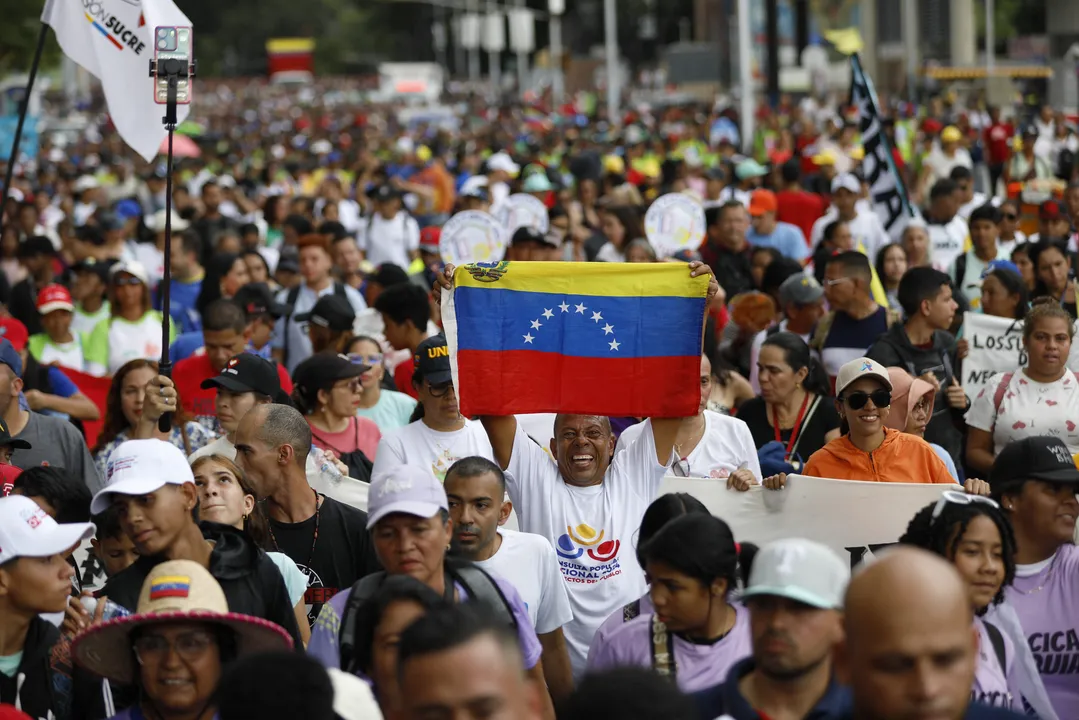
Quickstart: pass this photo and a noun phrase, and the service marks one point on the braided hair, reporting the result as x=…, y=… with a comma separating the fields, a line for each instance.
x=943, y=535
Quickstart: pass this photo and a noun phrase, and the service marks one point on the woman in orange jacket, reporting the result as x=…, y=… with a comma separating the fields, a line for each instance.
x=868, y=450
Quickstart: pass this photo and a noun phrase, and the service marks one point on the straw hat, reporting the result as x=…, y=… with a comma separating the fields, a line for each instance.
x=175, y=591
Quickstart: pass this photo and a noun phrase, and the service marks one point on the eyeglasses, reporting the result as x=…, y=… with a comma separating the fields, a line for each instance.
x=1010, y=216
x=354, y=385
x=126, y=281
x=857, y=399
x=439, y=390
x=371, y=360
x=837, y=281
x=681, y=468
x=189, y=646
x=953, y=496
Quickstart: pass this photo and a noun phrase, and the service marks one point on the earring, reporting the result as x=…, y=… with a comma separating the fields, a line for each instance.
x=244, y=518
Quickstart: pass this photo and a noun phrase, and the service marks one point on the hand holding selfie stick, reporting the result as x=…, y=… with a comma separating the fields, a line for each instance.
x=170, y=70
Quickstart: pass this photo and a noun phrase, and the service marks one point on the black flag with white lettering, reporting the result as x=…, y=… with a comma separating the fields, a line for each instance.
x=890, y=200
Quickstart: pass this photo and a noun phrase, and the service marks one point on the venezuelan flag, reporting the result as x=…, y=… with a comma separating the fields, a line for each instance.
x=584, y=338
x=170, y=586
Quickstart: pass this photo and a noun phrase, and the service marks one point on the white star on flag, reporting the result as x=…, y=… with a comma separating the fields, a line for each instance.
x=597, y=317
x=614, y=344
x=536, y=324
x=581, y=308
x=608, y=329
x=547, y=313
x=564, y=306
x=529, y=338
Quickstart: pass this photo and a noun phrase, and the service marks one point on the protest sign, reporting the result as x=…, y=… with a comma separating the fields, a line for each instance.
x=674, y=222
x=849, y=516
x=472, y=236
x=996, y=345
x=521, y=210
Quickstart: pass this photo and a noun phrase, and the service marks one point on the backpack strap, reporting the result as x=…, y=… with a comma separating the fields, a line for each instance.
x=960, y=270
x=290, y=306
x=997, y=640
x=631, y=610
x=773, y=330
x=663, y=650
x=481, y=588
x=998, y=396
x=339, y=290
x=362, y=590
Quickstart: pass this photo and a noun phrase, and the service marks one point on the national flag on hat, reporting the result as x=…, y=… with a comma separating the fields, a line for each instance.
x=112, y=40
x=620, y=339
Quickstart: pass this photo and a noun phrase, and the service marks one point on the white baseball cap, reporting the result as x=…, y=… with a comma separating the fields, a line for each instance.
x=846, y=181
x=502, y=161
x=800, y=570
x=407, y=489
x=28, y=531
x=139, y=467
x=859, y=368
x=156, y=222
x=131, y=267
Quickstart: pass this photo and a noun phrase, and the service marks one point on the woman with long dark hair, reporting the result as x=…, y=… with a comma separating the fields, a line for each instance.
x=225, y=275
x=327, y=391
x=1052, y=272
x=693, y=565
x=1004, y=294
x=125, y=406
x=620, y=224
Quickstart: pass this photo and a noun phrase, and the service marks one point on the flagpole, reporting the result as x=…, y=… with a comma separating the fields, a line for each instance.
x=10, y=173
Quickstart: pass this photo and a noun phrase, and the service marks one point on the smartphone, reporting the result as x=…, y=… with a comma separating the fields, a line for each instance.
x=173, y=43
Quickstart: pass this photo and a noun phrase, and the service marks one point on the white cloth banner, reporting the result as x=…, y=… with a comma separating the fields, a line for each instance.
x=996, y=345
x=113, y=40
x=849, y=516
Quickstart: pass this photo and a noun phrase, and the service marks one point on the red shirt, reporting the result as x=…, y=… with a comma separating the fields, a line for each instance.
x=189, y=375
x=402, y=378
x=997, y=137
x=800, y=208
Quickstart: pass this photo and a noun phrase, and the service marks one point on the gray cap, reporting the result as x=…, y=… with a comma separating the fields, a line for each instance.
x=801, y=290
x=800, y=570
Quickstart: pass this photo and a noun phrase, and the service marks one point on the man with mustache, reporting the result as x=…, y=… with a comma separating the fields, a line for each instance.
x=795, y=601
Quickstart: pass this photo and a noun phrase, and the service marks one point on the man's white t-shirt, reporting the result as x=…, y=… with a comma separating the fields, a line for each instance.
x=528, y=562
x=946, y=242
x=390, y=241
x=726, y=446
x=417, y=444
x=865, y=229
x=593, y=529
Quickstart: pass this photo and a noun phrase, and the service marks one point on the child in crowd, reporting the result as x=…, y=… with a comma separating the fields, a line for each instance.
x=112, y=546
x=58, y=344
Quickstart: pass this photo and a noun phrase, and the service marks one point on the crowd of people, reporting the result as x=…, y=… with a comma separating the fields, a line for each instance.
x=321, y=533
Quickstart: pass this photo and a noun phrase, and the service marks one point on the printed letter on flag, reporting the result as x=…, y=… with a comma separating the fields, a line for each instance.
x=619, y=339
x=113, y=40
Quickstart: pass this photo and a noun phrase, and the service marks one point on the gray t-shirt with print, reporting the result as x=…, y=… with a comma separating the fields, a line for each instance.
x=56, y=442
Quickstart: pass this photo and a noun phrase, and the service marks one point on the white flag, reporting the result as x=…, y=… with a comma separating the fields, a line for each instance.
x=113, y=40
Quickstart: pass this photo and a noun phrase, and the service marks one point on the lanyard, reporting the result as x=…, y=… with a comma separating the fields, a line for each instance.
x=794, y=430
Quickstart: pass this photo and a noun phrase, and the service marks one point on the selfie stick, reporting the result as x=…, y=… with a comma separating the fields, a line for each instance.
x=172, y=70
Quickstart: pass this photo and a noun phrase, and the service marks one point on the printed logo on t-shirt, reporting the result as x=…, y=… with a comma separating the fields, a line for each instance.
x=583, y=541
x=1056, y=653
x=316, y=594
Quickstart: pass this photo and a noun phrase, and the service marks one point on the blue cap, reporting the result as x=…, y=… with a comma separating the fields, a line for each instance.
x=10, y=356
x=127, y=209
x=1001, y=265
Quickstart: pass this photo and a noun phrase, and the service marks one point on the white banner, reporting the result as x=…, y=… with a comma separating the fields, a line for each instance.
x=851, y=517
x=996, y=345
x=112, y=40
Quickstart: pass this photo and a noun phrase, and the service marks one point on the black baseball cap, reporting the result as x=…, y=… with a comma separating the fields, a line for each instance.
x=257, y=299
x=385, y=192
x=1039, y=457
x=246, y=373
x=389, y=274
x=322, y=370
x=12, y=442
x=92, y=265
x=331, y=311
x=527, y=235
x=432, y=361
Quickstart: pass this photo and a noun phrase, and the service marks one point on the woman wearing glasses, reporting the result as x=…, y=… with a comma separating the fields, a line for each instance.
x=1010, y=234
x=973, y=534
x=388, y=409
x=912, y=407
x=133, y=329
x=1034, y=480
x=868, y=450
x=327, y=392
x=1032, y=400
x=174, y=648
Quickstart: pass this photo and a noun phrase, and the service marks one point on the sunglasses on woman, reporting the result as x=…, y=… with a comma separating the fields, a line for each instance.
x=126, y=281
x=369, y=360
x=954, y=496
x=857, y=399
x=1011, y=217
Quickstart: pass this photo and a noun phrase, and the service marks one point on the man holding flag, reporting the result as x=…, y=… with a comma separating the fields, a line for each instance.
x=588, y=505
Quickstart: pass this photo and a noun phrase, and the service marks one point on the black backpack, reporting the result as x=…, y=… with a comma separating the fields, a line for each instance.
x=480, y=587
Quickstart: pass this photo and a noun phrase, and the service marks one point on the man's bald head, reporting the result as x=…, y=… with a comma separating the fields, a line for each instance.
x=276, y=425
x=910, y=642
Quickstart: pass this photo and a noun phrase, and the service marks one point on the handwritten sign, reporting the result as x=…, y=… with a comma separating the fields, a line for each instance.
x=674, y=222
x=521, y=210
x=472, y=236
x=996, y=345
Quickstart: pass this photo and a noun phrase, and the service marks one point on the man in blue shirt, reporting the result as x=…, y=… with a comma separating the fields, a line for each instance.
x=795, y=600
x=767, y=231
x=187, y=274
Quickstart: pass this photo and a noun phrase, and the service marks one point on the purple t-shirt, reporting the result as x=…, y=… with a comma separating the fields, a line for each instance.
x=1046, y=599
x=699, y=666
x=994, y=685
x=324, y=644
x=617, y=619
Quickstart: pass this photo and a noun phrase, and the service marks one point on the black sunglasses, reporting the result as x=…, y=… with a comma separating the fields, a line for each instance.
x=857, y=399
x=1010, y=216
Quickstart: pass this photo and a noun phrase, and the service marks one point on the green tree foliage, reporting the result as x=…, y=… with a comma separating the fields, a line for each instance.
x=18, y=36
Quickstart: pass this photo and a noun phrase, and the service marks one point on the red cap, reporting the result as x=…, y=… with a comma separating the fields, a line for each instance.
x=8, y=473
x=54, y=297
x=430, y=237
x=761, y=202
x=14, y=332
x=1050, y=210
